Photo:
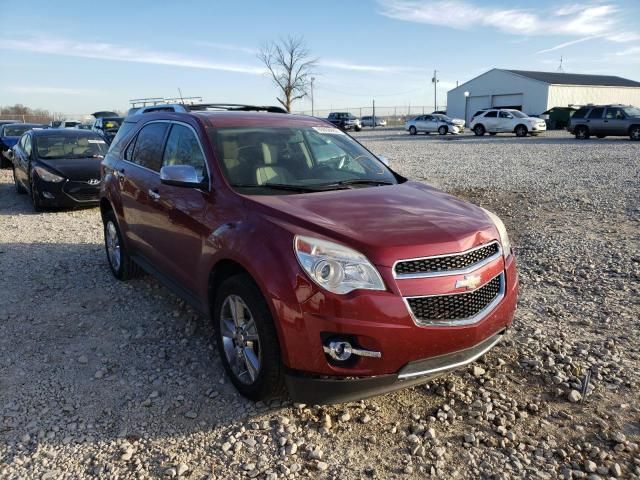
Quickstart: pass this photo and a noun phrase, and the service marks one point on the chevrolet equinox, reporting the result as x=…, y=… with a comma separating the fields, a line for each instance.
x=325, y=272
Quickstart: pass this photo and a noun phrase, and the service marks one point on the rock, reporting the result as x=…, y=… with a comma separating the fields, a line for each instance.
x=590, y=466
x=321, y=466
x=83, y=359
x=326, y=421
x=191, y=414
x=478, y=371
x=316, y=454
x=574, y=396
x=170, y=472
x=618, y=437
x=181, y=469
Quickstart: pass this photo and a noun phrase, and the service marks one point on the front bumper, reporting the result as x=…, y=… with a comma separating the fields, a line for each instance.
x=316, y=391
x=68, y=193
x=539, y=127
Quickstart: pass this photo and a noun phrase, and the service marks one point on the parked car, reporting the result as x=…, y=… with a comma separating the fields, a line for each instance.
x=439, y=112
x=434, y=123
x=495, y=121
x=324, y=271
x=107, y=127
x=68, y=124
x=59, y=167
x=9, y=135
x=367, y=121
x=345, y=121
x=606, y=120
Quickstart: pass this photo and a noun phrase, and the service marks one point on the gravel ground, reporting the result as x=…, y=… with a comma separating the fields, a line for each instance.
x=105, y=379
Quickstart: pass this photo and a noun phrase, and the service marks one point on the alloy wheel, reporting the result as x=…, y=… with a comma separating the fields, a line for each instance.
x=635, y=134
x=113, y=245
x=240, y=339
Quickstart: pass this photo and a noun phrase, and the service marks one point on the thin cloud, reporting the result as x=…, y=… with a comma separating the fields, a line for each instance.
x=356, y=67
x=567, y=20
x=629, y=51
x=568, y=44
x=228, y=47
x=110, y=51
x=45, y=90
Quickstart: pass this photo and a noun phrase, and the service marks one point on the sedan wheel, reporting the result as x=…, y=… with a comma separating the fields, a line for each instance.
x=240, y=339
x=443, y=130
x=634, y=134
x=412, y=130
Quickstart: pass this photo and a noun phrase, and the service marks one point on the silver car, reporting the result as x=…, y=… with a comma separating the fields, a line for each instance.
x=435, y=122
x=367, y=121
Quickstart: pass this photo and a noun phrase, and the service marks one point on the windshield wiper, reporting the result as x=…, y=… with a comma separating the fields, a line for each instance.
x=278, y=186
x=357, y=181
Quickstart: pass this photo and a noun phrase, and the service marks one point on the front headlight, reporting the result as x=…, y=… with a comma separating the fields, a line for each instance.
x=335, y=267
x=48, y=176
x=502, y=231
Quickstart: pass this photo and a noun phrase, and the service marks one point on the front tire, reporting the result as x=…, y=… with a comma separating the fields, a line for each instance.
x=247, y=339
x=121, y=264
x=479, y=130
x=18, y=186
x=582, y=133
x=36, y=201
x=413, y=130
x=443, y=130
x=634, y=133
x=521, y=131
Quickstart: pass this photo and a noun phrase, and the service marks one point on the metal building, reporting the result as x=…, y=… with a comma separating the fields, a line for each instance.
x=536, y=92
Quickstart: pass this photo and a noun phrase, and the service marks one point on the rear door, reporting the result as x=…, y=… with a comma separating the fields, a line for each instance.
x=490, y=121
x=595, y=121
x=180, y=211
x=139, y=179
x=430, y=123
x=615, y=122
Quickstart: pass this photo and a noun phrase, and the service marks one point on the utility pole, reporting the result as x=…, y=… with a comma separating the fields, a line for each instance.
x=435, y=81
x=374, y=114
x=312, y=111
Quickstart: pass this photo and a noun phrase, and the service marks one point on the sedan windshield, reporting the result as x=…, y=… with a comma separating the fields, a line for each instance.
x=632, y=111
x=54, y=146
x=296, y=159
x=442, y=117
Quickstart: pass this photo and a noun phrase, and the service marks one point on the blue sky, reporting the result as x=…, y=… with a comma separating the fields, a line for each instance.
x=81, y=56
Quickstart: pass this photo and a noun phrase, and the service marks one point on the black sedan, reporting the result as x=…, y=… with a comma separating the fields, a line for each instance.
x=59, y=168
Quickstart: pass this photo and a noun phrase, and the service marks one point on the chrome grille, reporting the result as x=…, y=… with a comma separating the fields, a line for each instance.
x=445, y=263
x=458, y=307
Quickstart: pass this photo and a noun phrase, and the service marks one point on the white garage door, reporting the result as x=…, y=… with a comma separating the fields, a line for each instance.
x=513, y=101
x=475, y=104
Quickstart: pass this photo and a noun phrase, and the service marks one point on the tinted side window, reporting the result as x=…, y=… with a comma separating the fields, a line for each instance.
x=149, y=143
x=492, y=114
x=596, y=112
x=580, y=113
x=116, y=143
x=183, y=149
x=614, y=114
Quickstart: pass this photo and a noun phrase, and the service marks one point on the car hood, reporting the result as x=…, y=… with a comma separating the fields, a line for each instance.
x=385, y=223
x=79, y=169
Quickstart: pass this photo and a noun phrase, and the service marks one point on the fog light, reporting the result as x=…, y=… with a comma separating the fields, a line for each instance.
x=342, y=350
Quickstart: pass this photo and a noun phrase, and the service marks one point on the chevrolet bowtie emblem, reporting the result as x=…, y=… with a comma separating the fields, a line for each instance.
x=469, y=282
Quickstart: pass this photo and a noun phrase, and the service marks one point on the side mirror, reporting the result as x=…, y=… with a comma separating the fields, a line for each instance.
x=181, y=176
x=10, y=153
x=384, y=160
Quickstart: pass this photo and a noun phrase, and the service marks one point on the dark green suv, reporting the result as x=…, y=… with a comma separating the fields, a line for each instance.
x=606, y=120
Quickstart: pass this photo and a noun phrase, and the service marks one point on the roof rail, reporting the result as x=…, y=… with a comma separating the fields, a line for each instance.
x=195, y=107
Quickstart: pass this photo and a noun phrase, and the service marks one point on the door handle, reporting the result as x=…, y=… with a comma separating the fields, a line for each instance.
x=153, y=193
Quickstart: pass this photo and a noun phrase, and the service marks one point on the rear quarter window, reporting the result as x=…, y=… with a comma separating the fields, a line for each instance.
x=580, y=113
x=116, y=144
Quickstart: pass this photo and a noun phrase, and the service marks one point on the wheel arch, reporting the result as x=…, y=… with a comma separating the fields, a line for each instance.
x=520, y=125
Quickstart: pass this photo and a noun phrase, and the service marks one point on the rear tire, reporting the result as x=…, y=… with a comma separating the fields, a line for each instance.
x=413, y=130
x=582, y=133
x=120, y=263
x=521, y=131
x=479, y=130
x=248, y=342
x=634, y=133
x=443, y=130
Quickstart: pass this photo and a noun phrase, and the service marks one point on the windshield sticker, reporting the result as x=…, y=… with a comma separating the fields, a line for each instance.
x=328, y=130
x=97, y=141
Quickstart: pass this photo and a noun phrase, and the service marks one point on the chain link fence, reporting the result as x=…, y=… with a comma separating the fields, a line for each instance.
x=395, y=115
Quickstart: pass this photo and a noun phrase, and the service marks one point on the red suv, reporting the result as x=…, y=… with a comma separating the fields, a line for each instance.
x=324, y=271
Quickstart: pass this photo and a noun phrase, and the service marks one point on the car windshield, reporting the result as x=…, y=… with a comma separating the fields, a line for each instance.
x=517, y=113
x=54, y=146
x=267, y=160
x=15, y=130
x=632, y=111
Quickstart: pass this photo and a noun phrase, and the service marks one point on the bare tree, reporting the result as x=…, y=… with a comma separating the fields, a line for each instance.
x=289, y=63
